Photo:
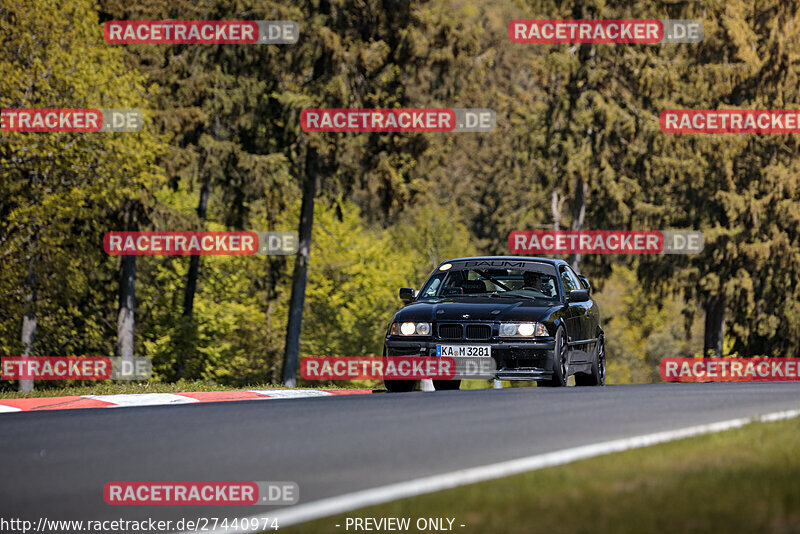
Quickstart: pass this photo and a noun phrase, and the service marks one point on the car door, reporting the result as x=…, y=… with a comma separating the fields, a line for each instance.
x=573, y=321
x=577, y=334
x=592, y=319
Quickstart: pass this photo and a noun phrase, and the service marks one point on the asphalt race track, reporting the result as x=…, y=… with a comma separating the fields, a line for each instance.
x=54, y=464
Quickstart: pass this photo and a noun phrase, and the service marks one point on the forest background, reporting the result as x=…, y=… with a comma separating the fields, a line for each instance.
x=577, y=146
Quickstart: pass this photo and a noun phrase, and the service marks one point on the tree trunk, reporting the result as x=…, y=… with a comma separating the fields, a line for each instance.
x=125, y=319
x=194, y=261
x=300, y=276
x=555, y=208
x=578, y=217
x=715, y=325
x=29, y=323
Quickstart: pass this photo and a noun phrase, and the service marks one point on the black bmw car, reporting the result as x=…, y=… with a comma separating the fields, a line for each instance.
x=534, y=316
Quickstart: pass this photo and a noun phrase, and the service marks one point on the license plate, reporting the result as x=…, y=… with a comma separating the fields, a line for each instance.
x=456, y=351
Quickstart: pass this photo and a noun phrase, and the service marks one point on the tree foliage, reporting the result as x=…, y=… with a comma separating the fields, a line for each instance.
x=577, y=145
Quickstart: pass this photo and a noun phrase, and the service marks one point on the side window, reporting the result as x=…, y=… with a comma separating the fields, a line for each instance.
x=433, y=285
x=569, y=280
x=579, y=284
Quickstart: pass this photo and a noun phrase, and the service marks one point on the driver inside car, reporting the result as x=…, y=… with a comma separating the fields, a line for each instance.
x=538, y=282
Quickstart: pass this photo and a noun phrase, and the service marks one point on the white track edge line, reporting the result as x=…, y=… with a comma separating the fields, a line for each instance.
x=295, y=515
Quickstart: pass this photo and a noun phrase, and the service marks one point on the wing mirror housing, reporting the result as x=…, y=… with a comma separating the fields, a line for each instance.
x=406, y=294
x=578, y=295
x=585, y=281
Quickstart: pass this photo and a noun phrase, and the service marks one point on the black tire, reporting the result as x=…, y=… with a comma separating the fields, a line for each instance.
x=444, y=385
x=598, y=375
x=560, y=362
x=399, y=386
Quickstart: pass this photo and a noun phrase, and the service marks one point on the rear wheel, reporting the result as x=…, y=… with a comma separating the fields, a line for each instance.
x=440, y=385
x=560, y=362
x=597, y=377
x=399, y=386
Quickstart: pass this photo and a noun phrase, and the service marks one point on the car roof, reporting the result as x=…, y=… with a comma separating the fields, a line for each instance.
x=551, y=261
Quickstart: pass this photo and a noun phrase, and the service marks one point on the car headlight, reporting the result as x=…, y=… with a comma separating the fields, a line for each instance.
x=508, y=329
x=523, y=330
x=411, y=329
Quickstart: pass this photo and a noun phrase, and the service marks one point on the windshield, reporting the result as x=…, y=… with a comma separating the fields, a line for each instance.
x=492, y=283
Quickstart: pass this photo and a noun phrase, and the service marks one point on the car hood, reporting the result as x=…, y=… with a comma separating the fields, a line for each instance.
x=477, y=309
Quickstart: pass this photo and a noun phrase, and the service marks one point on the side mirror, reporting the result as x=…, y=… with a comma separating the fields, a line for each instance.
x=406, y=294
x=578, y=295
x=585, y=281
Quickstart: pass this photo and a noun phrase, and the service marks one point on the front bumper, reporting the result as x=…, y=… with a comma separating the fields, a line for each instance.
x=515, y=360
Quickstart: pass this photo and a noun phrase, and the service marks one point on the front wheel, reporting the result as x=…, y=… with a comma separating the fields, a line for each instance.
x=597, y=376
x=397, y=386
x=560, y=362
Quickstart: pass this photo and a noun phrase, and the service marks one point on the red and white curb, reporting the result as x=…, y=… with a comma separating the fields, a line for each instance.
x=158, y=399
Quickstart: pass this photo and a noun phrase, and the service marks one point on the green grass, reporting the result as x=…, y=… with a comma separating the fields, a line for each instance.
x=113, y=388
x=745, y=480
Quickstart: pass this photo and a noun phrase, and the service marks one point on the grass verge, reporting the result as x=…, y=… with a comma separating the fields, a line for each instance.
x=745, y=480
